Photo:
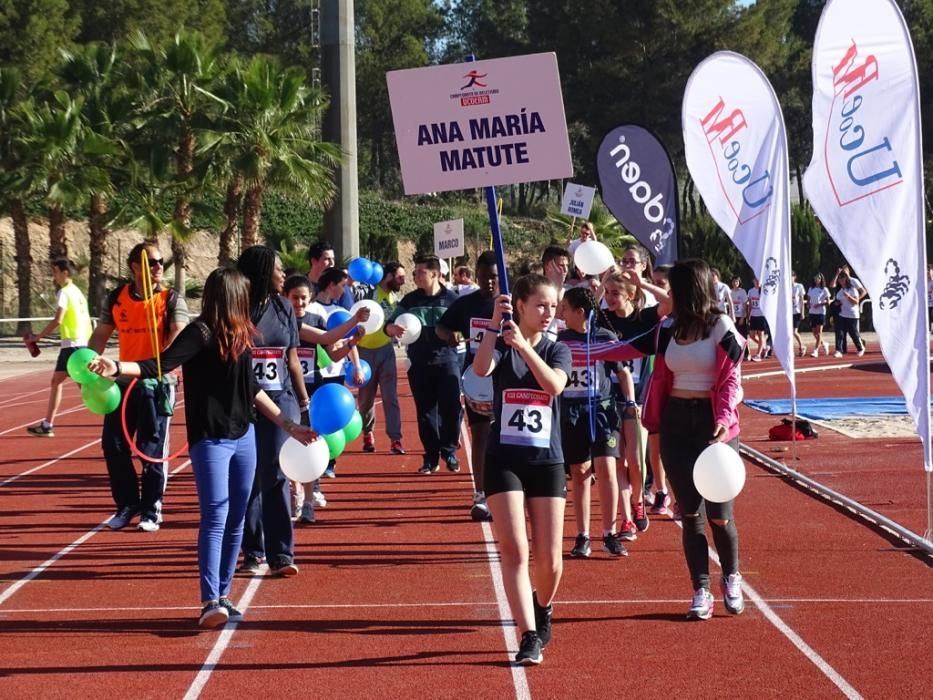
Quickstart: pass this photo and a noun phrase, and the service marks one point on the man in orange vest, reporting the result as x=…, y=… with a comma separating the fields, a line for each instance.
x=149, y=407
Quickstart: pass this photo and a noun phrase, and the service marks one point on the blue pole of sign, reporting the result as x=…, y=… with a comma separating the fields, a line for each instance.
x=492, y=206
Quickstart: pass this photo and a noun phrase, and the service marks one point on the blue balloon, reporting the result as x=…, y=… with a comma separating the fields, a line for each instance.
x=377, y=275
x=332, y=407
x=337, y=318
x=348, y=373
x=360, y=270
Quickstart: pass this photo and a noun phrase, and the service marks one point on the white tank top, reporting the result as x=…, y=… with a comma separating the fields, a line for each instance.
x=693, y=365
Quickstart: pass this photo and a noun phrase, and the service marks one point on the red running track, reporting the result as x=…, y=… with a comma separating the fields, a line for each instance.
x=397, y=594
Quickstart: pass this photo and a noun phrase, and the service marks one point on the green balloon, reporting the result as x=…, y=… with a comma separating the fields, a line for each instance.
x=336, y=442
x=99, y=384
x=101, y=400
x=77, y=366
x=352, y=430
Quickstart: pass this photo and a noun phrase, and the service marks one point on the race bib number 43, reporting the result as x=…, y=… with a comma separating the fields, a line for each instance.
x=526, y=418
x=306, y=357
x=269, y=368
x=579, y=381
x=477, y=328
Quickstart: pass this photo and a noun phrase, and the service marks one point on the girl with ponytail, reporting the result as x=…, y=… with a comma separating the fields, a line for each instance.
x=589, y=422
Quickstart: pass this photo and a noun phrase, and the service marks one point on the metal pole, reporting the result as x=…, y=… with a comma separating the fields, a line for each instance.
x=338, y=71
x=859, y=509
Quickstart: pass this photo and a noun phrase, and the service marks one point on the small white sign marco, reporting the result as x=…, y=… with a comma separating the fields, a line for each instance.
x=448, y=239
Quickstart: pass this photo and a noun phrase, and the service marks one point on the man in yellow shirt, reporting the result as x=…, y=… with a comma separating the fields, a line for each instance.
x=71, y=315
x=379, y=351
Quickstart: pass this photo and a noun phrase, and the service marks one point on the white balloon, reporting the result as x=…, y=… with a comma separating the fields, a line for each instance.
x=376, y=315
x=719, y=473
x=412, y=326
x=304, y=463
x=593, y=258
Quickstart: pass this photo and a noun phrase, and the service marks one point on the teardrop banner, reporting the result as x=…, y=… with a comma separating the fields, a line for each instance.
x=638, y=185
x=865, y=180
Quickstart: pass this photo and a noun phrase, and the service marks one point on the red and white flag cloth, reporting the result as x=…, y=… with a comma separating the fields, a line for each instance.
x=736, y=149
x=865, y=179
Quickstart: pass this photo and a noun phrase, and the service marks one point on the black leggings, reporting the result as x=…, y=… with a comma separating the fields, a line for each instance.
x=686, y=429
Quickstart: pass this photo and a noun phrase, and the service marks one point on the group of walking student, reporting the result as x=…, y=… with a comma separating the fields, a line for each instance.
x=618, y=381
x=838, y=302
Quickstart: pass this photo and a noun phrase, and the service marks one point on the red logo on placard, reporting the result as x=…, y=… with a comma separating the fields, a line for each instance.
x=476, y=92
x=474, y=77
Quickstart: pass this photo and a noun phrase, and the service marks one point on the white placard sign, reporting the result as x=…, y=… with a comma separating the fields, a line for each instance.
x=448, y=239
x=494, y=122
x=578, y=200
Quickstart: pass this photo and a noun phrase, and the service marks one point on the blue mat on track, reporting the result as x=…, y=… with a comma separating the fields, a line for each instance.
x=830, y=408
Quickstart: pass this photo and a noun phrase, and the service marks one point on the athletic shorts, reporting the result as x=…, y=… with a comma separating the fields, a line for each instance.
x=576, y=442
x=758, y=323
x=795, y=320
x=536, y=480
x=817, y=320
x=61, y=364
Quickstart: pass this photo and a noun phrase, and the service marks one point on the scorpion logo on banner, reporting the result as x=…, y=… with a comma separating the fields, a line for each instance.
x=771, y=276
x=896, y=286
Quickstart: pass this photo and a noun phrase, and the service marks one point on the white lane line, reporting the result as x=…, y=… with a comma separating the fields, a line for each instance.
x=465, y=604
x=805, y=370
x=17, y=400
x=6, y=594
x=13, y=478
x=223, y=641
x=809, y=652
x=519, y=678
x=75, y=409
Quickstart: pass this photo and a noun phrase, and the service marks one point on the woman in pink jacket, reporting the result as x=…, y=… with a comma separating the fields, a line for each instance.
x=692, y=401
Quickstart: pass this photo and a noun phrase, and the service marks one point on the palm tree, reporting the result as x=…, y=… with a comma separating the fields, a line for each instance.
x=91, y=73
x=266, y=138
x=52, y=137
x=13, y=189
x=178, y=79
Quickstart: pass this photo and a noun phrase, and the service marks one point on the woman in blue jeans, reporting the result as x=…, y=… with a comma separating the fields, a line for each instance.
x=221, y=394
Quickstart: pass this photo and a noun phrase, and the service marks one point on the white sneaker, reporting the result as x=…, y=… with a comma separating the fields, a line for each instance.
x=825, y=348
x=319, y=500
x=860, y=352
x=307, y=513
x=148, y=525
x=837, y=354
x=731, y=587
x=816, y=352
x=803, y=350
x=702, y=606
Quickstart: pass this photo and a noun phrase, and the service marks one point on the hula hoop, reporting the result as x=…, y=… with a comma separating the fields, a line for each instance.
x=129, y=440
